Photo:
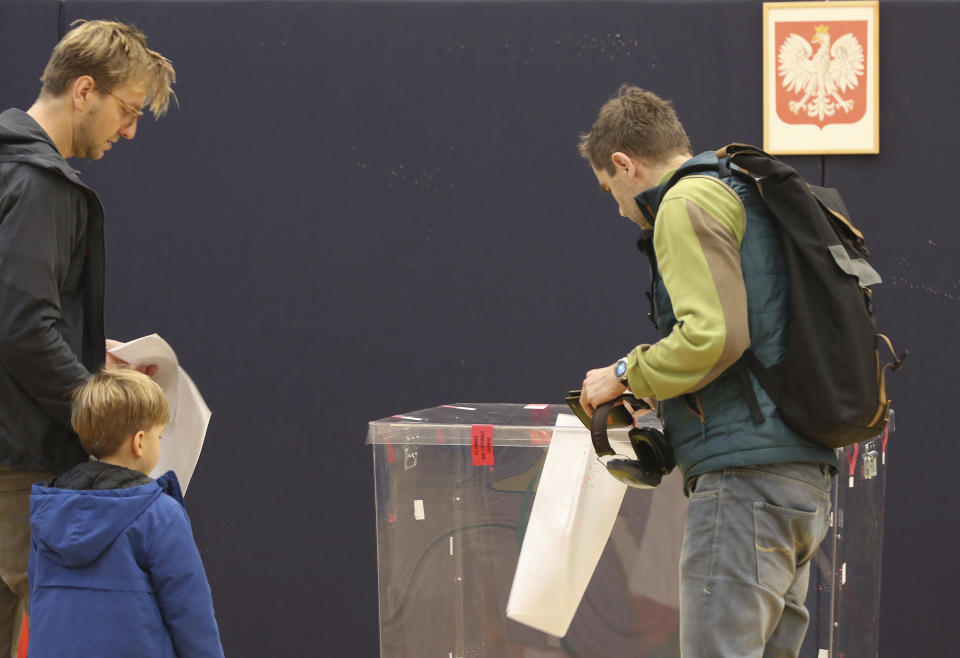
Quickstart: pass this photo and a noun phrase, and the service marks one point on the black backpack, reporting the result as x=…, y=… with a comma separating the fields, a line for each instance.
x=830, y=387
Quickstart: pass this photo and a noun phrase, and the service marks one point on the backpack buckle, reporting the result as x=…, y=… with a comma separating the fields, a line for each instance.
x=898, y=360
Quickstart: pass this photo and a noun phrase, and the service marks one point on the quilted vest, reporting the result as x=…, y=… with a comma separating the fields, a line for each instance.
x=712, y=428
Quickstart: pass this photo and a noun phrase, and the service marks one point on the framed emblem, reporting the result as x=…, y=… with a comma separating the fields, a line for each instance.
x=820, y=78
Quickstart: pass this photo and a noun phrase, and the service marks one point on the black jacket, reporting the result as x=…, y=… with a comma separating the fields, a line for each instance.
x=51, y=296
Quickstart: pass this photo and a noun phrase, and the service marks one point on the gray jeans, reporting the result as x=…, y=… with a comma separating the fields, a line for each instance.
x=745, y=562
x=14, y=553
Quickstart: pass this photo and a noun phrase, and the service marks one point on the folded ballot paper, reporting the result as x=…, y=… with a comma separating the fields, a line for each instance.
x=574, y=511
x=189, y=415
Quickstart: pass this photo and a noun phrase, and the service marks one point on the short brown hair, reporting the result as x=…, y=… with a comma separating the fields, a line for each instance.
x=637, y=122
x=113, y=405
x=113, y=54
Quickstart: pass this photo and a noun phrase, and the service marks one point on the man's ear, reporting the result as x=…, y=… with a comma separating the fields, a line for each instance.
x=82, y=91
x=626, y=164
x=136, y=444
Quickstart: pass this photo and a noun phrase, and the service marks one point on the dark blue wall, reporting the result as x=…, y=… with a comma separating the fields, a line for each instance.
x=364, y=208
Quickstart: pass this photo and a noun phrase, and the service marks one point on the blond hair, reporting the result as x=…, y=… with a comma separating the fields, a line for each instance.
x=638, y=123
x=112, y=406
x=113, y=54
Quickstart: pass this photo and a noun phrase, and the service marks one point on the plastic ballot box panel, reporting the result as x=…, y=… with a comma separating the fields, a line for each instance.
x=455, y=487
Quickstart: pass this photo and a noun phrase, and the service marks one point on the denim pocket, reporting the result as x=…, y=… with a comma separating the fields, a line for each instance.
x=699, y=552
x=780, y=534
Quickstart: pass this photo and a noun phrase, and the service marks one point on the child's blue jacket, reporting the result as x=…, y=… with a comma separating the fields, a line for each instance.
x=116, y=572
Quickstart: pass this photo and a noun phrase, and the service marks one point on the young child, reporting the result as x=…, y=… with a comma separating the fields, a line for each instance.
x=114, y=570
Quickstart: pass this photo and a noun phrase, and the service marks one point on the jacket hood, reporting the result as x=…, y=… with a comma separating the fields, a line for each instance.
x=99, y=475
x=74, y=527
x=23, y=140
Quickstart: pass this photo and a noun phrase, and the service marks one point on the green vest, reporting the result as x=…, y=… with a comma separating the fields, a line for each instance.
x=713, y=428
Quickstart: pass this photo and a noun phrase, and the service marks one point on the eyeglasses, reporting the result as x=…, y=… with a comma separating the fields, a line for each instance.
x=129, y=107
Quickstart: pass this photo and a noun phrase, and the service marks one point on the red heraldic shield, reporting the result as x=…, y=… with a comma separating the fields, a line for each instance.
x=821, y=72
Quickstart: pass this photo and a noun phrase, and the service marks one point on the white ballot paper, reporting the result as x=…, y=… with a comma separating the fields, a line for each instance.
x=573, y=513
x=189, y=415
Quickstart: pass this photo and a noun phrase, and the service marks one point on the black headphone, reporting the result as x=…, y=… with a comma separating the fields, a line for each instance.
x=654, y=455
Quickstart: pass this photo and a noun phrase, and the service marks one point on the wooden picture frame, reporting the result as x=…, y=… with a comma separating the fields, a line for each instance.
x=820, y=77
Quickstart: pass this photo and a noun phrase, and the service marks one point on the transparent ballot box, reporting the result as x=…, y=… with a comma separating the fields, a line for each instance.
x=455, y=487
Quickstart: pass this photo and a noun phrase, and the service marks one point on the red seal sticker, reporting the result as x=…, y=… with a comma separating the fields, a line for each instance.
x=481, y=442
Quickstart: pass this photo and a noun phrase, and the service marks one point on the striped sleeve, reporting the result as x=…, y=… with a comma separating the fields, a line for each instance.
x=697, y=238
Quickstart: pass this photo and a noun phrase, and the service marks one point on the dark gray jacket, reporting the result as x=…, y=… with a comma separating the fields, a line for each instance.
x=51, y=296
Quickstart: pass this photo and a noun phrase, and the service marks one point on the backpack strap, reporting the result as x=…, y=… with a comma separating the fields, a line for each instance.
x=895, y=365
x=736, y=147
x=747, y=363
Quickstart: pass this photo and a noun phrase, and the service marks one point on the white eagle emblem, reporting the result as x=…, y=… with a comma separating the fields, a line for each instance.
x=822, y=76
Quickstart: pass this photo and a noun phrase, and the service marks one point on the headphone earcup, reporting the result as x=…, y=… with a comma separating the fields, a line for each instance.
x=633, y=473
x=652, y=449
x=665, y=453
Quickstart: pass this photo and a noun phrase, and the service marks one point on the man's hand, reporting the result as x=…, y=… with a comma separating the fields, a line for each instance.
x=116, y=362
x=601, y=385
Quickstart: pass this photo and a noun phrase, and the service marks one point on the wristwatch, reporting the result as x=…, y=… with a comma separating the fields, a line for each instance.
x=620, y=370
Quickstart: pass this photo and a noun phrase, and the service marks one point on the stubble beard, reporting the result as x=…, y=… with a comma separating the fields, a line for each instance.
x=84, y=145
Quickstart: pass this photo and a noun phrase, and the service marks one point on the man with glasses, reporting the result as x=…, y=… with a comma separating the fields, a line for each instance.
x=759, y=492
x=98, y=78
